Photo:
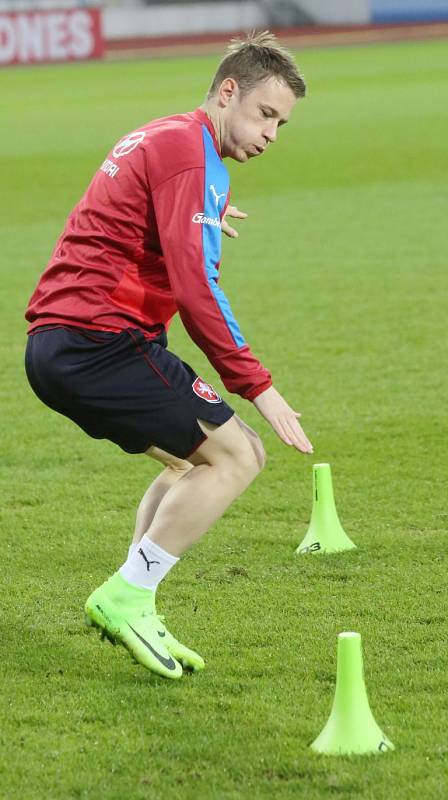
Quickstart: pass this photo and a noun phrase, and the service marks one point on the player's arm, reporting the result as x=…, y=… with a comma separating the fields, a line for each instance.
x=191, y=244
x=270, y=403
x=191, y=249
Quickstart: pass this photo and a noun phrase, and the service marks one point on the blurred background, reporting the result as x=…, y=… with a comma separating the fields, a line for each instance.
x=64, y=30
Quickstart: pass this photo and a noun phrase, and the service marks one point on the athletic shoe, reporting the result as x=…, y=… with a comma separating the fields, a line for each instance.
x=188, y=658
x=126, y=614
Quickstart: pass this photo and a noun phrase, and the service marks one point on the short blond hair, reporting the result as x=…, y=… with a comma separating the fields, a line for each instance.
x=257, y=58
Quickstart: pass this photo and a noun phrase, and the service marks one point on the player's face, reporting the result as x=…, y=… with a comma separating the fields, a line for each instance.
x=252, y=120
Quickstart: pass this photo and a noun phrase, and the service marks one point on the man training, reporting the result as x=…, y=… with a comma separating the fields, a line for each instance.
x=144, y=243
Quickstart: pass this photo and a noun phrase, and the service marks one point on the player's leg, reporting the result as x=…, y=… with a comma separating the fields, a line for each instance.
x=166, y=409
x=224, y=466
x=175, y=468
x=132, y=391
x=79, y=376
x=254, y=441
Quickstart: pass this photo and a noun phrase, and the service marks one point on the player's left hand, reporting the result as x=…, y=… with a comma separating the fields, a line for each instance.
x=232, y=211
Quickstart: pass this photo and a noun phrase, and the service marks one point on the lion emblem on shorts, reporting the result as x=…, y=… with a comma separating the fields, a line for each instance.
x=205, y=391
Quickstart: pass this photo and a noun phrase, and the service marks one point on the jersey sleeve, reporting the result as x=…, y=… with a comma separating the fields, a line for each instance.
x=188, y=211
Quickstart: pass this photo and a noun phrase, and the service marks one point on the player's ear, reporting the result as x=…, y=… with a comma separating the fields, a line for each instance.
x=227, y=90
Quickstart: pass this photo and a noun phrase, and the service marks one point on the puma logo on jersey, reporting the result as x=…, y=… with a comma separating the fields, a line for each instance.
x=216, y=195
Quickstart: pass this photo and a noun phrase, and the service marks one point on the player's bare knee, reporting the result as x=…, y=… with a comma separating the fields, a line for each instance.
x=246, y=462
x=238, y=453
x=259, y=451
x=254, y=441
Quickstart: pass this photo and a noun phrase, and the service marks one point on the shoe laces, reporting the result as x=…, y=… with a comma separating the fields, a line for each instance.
x=150, y=613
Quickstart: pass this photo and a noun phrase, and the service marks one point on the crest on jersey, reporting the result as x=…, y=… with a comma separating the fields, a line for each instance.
x=128, y=144
x=205, y=391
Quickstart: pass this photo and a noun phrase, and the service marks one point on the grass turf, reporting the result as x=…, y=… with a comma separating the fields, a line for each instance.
x=339, y=283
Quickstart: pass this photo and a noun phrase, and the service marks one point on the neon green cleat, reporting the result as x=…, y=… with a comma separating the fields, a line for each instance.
x=188, y=658
x=126, y=614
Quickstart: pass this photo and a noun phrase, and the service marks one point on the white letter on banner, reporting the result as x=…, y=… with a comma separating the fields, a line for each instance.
x=57, y=37
x=30, y=38
x=7, y=40
x=82, y=36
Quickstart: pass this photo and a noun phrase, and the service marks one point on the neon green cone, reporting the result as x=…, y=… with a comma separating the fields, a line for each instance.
x=325, y=533
x=351, y=727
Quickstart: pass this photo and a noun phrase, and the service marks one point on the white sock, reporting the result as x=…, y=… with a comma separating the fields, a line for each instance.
x=132, y=547
x=147, y=564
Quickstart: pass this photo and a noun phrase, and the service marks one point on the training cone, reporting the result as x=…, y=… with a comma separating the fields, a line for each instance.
x=351, y=728
x=325, y=533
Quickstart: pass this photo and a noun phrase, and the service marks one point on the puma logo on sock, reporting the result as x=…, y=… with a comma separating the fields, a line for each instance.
x=148, y=563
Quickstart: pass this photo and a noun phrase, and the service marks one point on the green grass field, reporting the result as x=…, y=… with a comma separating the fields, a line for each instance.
x=339, y=282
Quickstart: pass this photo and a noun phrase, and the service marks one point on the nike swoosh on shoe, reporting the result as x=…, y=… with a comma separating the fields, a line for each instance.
x=169, y=663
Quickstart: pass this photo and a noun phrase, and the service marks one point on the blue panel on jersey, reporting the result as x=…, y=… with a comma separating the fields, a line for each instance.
x=216, y=190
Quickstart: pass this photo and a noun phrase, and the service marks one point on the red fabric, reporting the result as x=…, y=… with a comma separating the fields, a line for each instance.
x=130, y=256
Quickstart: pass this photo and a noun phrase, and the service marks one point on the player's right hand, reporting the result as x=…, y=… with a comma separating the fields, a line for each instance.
x=283, y=419
x=232, y=211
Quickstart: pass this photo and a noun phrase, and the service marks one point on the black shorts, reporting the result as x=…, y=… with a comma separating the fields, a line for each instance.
x=122, y=387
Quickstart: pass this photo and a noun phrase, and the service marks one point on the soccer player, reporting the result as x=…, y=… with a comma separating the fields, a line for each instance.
x=144, y=243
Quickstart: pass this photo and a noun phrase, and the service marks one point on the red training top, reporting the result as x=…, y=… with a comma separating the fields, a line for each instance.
x=145, y=241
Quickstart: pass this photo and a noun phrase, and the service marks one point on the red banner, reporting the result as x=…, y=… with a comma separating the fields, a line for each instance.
x=32, y=37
